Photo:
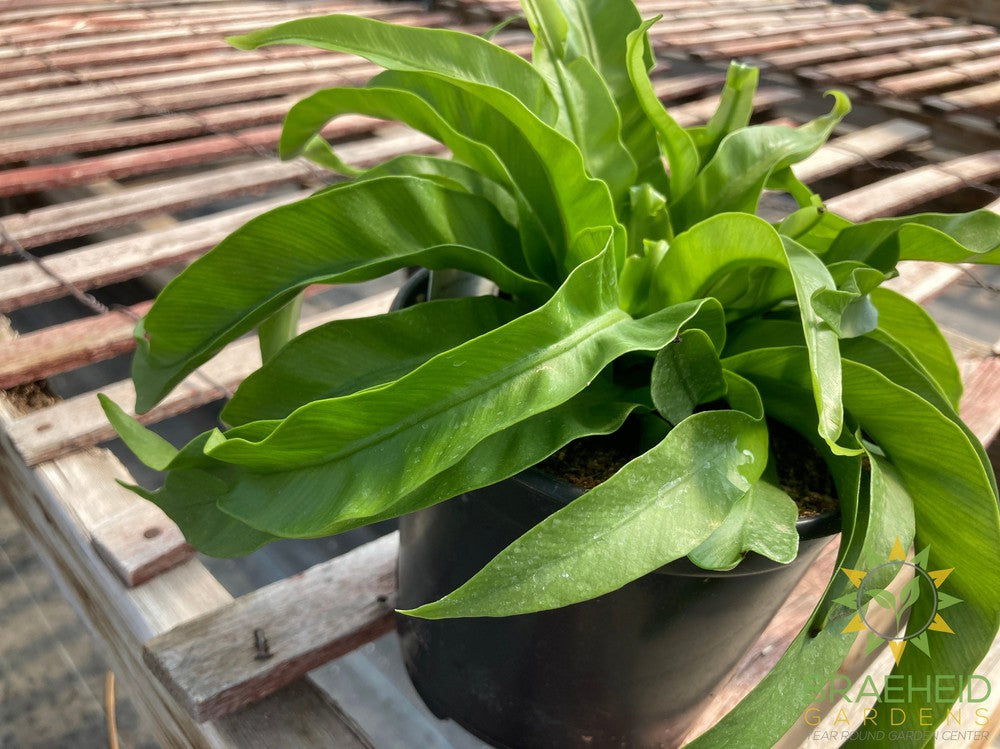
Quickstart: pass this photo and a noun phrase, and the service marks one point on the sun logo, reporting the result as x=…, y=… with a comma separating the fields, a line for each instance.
x=872, y=591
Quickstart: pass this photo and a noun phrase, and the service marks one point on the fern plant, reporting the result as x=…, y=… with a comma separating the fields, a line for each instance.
x=627, y=289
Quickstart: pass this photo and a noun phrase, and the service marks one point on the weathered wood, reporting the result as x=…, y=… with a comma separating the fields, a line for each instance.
x=333, y=64
x=140, y=542
x=980, y=407
x=79, y=421
x=910, y=84
x=149, y=159
x=922, y=281
x=59, y=505
x=899, y=62
x=985, y=97
x=811, y=55
x=772, y=42
x=217, y=663
x=24, y=284
x=74, y=344
x=904, y=191
x=77, y=218
x=853, y=149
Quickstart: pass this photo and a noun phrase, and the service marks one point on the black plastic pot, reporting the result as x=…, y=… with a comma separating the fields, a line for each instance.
x=628, y=669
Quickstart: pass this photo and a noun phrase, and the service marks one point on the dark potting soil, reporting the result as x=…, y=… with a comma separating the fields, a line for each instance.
x=802, y=473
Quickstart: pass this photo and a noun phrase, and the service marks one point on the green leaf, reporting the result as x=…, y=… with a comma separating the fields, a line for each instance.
x=189, y=494
x=735, y=177
x=909, y=325
x=546, y=167
x=147, y=445
x=592, y=121
x=951, y=238
x=598, y=33
x=345, y=356
x=686, y=373
x=885, y=357
x=848, y=310
x=734, y=111
x=956, y=516
x=886, y=512
x=613, y=534
x=676, y=142
x=951, y=492
x=360, y=231
x=762, y=520
x=706, y=253
x=599, y=409
x=448, y=173
x=424, y=422
x=549, y=26
x=460, y=56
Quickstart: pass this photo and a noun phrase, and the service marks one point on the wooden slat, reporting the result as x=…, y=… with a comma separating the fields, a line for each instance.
x=79, y=421
x=140, y=542
x=334, y=65
x=150, y=159
x=80, y=217
x=910, y=84
x=985, y=96
x=24, y=284
x=785, y=40
x=211, y=666
x=216, y=31
x=813, y=54
x=147, y=130
x=902, y=192
x=58, y=506
x=881, y=66
x=922, y=281
x=67, y=346
x=980, y=406
x=851, y=150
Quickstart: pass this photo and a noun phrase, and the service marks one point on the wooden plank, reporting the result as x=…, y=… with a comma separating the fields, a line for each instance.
x=333, y=64
x=79, y=421
x=814, y=54
x=59, y=505
x=150, y=159
x=24, y=284
x=785, y=40
x=52, y=78
x=67, y=346
x=77, y=218
x=903, y=192
x=910, y=84
x=140, y=542
x=211, y=665
x=980, y=406
x=922, y=281
x=96, y=42
x=898, y=62
x=777, y=30
x=147, y=130
x=985, y=97
x=853, y=149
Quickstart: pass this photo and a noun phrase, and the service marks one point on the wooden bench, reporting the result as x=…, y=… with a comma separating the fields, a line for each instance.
x=184, y=647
